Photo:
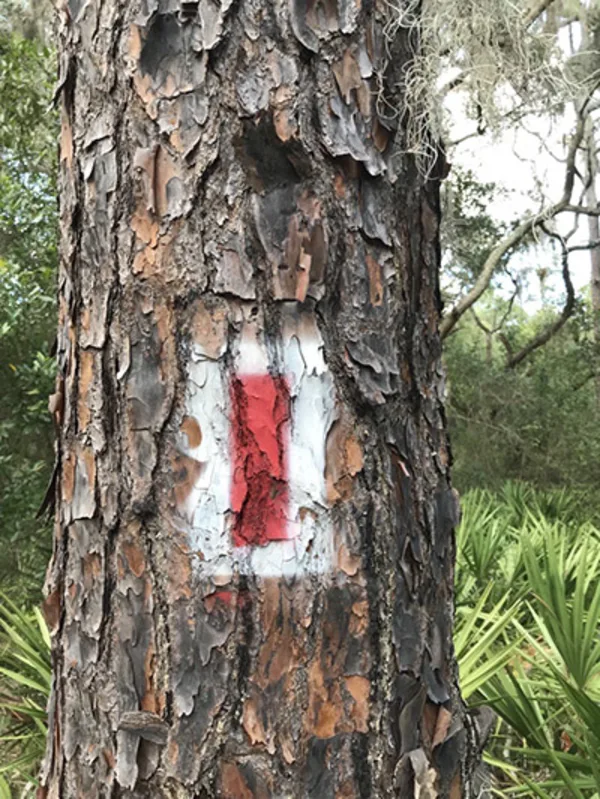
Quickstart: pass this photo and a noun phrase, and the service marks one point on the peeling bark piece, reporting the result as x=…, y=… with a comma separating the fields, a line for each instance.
x=212, y=15
x=66, y=143
x=51, y=610
x=104, y=179
x=345, y=132
x=161, y=190
x=297, y=258
x=233, y=784
x=375, y=281
x=377, y=366
x=424, y=776
x=253, y=89
x=183, y=118
x=344, y=460
x=347, y=75
x=209, y=327
x=145, y=388
x=298, y=14
x=375, y=210
x=84, y=499
x=319, y=19
x=246, y=779
x=192, y=430
x=234, y=275
x=442, y=726
x=146, y=725
x=329, y=774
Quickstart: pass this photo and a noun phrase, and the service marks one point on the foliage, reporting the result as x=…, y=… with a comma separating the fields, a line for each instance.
x=25, y=678
x=528, y=582
x=27, y=320
x=27, y=305
x=31, y=19
x=537, y=422
x=469, y=232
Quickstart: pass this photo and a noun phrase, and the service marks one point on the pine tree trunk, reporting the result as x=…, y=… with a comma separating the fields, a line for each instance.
x=251, y=589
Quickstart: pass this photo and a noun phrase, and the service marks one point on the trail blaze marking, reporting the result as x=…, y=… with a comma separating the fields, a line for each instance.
x=260, y=432
x=258, y=504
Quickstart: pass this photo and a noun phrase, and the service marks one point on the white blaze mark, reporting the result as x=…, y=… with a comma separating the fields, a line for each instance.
x=208, y=512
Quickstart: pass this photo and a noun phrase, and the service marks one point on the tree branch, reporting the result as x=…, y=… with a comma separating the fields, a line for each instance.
x=552, y=329
x=480, y=324
x=589, y=245
x=535, y=11
x=584, y=381
x=514, y=238
x=582, y=209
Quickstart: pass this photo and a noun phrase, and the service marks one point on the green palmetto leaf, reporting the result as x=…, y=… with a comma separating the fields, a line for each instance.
x=588, y=711
x=573, y=772
x=481, y=535
x=43, y=627
x=4, y=789
x=25, y=678
x=23, y=763
x=514, y=699
x=27, y=708
x=547, y=694
x=568, y=611
x=479, y=642
x=22, y=679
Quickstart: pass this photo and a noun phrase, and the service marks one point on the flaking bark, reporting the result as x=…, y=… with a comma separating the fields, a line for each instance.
x=229, y=173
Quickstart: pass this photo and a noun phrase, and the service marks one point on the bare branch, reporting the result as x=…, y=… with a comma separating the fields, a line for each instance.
x=514, y=238
x=584, y=381
x=514, y=115
x=590, y=245
x=545, y=336
x=535, y=11
x=480, y=324
x=503, y=338
x=509, y=308
x=583, y=209
x=497, y=327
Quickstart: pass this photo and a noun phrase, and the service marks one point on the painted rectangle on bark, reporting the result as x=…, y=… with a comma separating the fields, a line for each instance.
x=260, y=433
x=258, y=505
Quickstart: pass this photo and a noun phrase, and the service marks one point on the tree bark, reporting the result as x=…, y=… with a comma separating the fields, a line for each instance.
x=252, y=582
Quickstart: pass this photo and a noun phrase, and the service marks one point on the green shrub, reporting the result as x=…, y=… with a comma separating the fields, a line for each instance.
x=527, y=636
x=25, y=679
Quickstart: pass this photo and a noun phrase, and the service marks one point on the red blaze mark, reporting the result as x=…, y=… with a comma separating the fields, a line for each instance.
x=241, y=599
x=260, y=409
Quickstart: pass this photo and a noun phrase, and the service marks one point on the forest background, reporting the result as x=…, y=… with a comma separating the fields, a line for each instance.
x=522, y=356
